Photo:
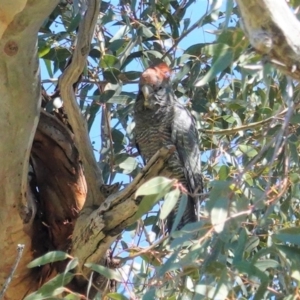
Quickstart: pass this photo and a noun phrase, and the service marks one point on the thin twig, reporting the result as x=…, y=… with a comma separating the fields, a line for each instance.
x=20, y=249
x=89, y=80
x=244, y=127
x=148, y=248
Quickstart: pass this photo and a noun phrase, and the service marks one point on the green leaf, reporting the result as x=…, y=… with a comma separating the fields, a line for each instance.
x=251, y=244
x=248, y=150
x=150, y=294
x=229, y=8
x=265, y=264
x=57, y=54
x=128, y=165
x=239, y=250
x=151, y=259
x=52, y=288
x=49, y=257
x=72, y=264
x=170, y=201
x=108, y=61
x=116, y=296
x=150, y=220
x=146, y=32
x=117, y=44
x=180, y=211
x=223, y=60
x=120, y=33
x=288, y=235
x=220, y=189
x=261, y=291
x=43, y=49
x=186, y=24
x=132, y=75
x=42, y=295
x=93, y=109
x=106, y=96
x=290, y=255
x=194, y=74
x=183, y=71
x=295, y=118
x=222, y=288
x=112, y=75
x=223, y=172
x=251, y=270
x=74, y=23
x=148, y=201
x=74, y=296
x=119, y=99
x=219, y=213
x=229, y=119
x=156, y=186
x=248, y=178
x=195, y=50
x=108, y=273
x=153, y=190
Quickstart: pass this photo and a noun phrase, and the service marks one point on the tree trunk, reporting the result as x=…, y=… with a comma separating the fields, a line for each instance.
x=20, y=98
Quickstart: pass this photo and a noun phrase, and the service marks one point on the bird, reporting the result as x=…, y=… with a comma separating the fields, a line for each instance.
x=161, y=120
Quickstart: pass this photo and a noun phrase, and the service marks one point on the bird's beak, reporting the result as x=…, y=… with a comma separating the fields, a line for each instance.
x=147, y=91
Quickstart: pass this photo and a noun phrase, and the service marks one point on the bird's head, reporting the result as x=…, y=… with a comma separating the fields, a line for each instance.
x=154, y=82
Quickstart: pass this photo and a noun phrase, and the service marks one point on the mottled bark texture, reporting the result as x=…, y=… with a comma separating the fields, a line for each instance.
x=274, y=31
x=20, y=87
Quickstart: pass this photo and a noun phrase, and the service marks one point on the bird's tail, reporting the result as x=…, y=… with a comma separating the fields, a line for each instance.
x=189, y=215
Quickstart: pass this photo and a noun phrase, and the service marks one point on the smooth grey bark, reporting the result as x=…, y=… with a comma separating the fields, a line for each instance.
x=274, y=31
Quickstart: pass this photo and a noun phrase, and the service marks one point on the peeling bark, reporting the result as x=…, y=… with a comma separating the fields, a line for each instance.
x=60, y=180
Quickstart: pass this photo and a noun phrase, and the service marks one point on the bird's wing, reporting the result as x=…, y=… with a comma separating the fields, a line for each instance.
x=186, y=140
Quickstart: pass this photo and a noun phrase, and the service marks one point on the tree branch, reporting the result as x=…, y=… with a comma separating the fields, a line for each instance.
x=274, y=31
x=104, y=224
x=245, y=127
x=78, y=124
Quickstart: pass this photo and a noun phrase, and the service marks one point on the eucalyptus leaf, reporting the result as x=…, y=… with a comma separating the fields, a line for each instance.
x=288, y=235
x=116, y=296
x=223, y=60
x=170, y=201
x=51, y=288
x=155, y=186
x=108, y=273
x=47, y=258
